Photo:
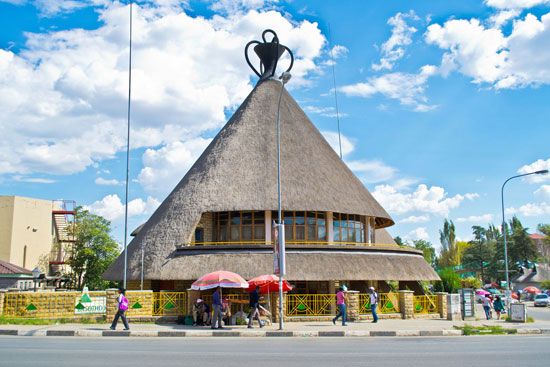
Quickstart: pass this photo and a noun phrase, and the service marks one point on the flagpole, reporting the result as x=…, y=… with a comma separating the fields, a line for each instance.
x=127, y=155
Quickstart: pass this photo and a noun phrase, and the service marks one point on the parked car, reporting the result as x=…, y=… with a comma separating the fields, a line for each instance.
x=542, y=300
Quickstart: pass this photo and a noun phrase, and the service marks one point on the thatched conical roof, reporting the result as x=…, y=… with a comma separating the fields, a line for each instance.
x=238, y=171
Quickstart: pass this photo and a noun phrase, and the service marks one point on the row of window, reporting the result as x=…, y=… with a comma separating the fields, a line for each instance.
x=299, y=226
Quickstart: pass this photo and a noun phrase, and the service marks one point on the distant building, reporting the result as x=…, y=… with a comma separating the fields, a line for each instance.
x=13, y=276
x=35, y=230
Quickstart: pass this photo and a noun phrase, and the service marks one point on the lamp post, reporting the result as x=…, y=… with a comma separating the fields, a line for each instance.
x=285, y=77
x=541, y=172
x=36, y=274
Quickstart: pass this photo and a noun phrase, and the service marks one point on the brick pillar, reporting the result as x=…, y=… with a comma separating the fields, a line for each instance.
x=275, y=306
x=353, y=305
x=2, y=297
x=111, y=303
x=442, y=304
x=406, y=304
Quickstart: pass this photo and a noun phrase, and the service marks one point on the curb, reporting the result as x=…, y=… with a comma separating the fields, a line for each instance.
x=251, y=333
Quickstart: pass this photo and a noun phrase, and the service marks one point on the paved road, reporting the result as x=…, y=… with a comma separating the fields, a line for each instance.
x=539, y=313
x=488, y=351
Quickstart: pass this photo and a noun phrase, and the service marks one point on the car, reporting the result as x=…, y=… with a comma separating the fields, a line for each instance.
x=542, y=300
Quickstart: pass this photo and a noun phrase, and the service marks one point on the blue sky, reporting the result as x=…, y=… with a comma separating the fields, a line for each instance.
x=439, y=102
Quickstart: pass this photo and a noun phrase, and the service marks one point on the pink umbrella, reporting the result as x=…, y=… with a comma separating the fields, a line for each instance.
x=221, y=278
x=482, y=291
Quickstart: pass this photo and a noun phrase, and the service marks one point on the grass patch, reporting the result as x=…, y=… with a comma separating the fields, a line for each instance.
x=529, y=319
x=36, y=321
x=485, y=330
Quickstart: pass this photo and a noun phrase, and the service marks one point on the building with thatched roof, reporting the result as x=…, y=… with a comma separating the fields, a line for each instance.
x=220, y=215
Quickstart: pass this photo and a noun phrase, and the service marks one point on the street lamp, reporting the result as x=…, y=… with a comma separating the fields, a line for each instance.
x=541, y=172
x=36, y=274
x=285, y=77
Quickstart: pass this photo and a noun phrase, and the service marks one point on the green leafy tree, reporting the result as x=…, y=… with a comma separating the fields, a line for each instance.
x=480, y=253
x=427, y=249
x=449, y=253
x=93, y=251
x=450, y=281
x=521, y=248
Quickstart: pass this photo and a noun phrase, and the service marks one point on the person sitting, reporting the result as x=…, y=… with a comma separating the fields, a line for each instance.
x=226, y=308
x=201, y=313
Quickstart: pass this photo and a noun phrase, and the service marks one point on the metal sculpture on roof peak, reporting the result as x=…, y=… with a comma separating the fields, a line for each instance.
x=269, y=54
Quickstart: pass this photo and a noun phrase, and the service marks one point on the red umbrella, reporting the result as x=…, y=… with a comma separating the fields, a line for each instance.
x=531, y=290
x=268, y=283
x=221, y=278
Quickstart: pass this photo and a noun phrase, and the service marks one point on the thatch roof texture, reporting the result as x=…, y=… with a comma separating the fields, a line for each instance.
x=238, y=171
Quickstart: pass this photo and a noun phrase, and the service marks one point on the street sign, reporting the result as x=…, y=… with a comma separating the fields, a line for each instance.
x=468, y=303
x=518, y=312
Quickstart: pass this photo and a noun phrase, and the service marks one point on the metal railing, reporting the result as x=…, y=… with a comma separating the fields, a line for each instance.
x=310, y=304
x=169, y=303
x=425, y=304
x=288, y=242
x=387, y=303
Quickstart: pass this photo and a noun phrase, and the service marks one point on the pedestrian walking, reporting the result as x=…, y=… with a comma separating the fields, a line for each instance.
x=254, y=304
x=122, y=308
x=218, y=309
x=487, y=306
x=373, y=304
x=341, y=304
x=498, y=305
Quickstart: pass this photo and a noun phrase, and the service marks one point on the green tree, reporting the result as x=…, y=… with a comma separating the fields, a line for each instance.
x=450, y=281
x=93, y=251
x=480, y=253
x=427, y=249
x=521, y=248
x=449, y=253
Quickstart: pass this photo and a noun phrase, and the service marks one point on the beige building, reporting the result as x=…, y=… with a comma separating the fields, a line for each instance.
x=29, y=228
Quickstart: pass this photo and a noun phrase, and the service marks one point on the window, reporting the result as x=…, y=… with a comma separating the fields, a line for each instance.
x=301, y=226
x=239, y=226
x=348, y=228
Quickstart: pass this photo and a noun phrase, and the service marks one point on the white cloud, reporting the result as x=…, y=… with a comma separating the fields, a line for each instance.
x=106, y=182
x=531, y=209
x=543, y=193
x=515, y=4
x=64, y=95
x=372, y=171
x=538, y=165
x=432, y=200
x=112, y=208
x=239, y=6
x=401, y=36
x=502, y=17
x=488, y=56
x=324, y=111
x=39, y=180
x=485, y=218
x=471, y=196
x=164, y=167
x=416, y=219
x=419, y=233
x=332, y=138
x=407, y=88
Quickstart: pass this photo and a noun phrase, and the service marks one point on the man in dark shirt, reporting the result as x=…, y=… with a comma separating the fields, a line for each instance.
x=254, y=307
x=217, y=306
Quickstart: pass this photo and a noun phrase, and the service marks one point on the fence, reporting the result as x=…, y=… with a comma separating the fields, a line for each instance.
x=387, y=303
x=310, y=304
x=53, y=305
x=425, y=304
x=169, y=303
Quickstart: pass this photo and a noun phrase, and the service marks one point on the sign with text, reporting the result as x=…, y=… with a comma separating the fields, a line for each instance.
x=518, y=312
x=86, y=305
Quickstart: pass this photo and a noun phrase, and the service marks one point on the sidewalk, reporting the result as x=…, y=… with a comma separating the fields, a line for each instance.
x=414, y=327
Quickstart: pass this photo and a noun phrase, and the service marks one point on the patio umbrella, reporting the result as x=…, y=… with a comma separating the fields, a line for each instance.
x=268, y=283
x=221, y=278
x=531, y=289
x=482, y=291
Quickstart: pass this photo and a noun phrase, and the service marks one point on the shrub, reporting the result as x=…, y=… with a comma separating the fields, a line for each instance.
x=450, y=281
